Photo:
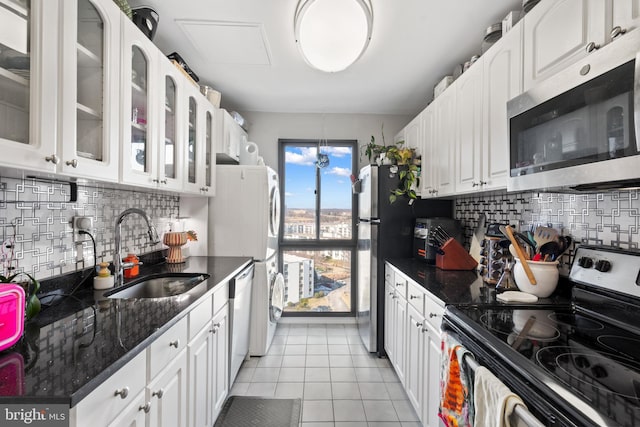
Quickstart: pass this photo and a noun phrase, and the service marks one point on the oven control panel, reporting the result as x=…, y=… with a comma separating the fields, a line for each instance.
x=608, y=268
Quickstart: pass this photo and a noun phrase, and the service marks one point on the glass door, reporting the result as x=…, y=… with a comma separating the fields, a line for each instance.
x=15, y=70
x=139, y=109
x=28, y=84
x=209, y=176
x=142, y=108
x=90, y=89
x=169, y=171
x=192, y=142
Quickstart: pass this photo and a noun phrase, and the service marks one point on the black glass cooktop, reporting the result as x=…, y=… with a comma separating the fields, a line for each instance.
x=588, y=362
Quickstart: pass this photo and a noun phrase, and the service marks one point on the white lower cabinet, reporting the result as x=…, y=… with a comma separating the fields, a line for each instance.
x=221, y=359
x=167, y=394
x=134, y=415
x=419, y=369
x=181, y=379
x=431, y=355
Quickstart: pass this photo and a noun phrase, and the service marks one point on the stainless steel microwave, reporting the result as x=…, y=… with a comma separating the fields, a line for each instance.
x=579, y=129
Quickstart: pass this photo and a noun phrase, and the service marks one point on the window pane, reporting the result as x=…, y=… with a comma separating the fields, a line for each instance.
x=300, y=193
x=317, y=280
x=335, y=194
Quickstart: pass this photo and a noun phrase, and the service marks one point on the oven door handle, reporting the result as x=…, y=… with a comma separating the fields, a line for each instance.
x=521, y=411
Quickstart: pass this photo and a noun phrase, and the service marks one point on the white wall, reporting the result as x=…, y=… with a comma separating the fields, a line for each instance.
x=266, y=128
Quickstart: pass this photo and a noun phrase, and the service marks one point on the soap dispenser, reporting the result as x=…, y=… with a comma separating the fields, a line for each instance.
x=104, y=279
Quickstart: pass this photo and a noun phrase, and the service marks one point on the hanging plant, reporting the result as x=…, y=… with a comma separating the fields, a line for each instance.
x=406, y=188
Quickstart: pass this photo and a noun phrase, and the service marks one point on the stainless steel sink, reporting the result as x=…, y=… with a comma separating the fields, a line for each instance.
x=158, y=286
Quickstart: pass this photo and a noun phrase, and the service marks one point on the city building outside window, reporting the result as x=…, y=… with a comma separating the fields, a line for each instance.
x=317, y=234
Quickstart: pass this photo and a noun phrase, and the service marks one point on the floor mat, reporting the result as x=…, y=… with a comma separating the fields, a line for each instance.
x=245, y=411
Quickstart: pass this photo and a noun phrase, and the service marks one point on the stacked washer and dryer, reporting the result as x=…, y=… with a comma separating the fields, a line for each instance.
x=245, y=219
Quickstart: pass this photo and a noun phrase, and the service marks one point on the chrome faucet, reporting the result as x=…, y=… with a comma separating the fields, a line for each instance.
x=118, y=265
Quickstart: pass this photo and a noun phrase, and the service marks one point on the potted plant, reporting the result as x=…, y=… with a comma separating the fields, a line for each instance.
x=31, y=288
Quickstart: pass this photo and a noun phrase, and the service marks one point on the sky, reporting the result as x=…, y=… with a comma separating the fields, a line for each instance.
x=300, y=165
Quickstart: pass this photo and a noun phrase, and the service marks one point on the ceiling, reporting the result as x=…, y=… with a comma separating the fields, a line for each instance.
x=246, y=50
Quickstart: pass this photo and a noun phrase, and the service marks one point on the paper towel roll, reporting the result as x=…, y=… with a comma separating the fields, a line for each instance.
x=249, y=154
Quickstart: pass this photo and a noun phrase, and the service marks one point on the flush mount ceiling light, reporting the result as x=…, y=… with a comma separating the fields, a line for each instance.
x=332, y=34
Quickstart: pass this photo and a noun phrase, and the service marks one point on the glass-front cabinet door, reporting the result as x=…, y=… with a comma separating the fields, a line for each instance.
x=28, y=84
x=139, y=160
x=192, y=152
x=209, y=157
x=171, y=144
x=90, y=89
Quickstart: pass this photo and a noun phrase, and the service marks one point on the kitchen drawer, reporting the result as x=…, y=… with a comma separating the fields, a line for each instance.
x=400, y=284
x=128, y=381
x=433, y=312
x=220, y=297
x=167, y=347
x=388, y=273
x=416, y=296
x=199, y=317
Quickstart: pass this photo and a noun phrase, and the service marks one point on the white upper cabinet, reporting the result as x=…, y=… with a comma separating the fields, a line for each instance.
x=625, y=16
x=230, y=137
x=28, y=91
x=444, y=142
x=468, y=91
x=90, y=89
x=412, y=134
x=199, y=134
x=171, y=140
x=502, y=81
x=427, y=174
x=558, y=33
x=140, y=103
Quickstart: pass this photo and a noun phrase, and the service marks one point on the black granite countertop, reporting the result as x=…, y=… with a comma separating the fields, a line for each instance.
x=73, y=346
x=463, y=288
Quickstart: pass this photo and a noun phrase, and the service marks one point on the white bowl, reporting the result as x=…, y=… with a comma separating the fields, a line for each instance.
x=546, y=274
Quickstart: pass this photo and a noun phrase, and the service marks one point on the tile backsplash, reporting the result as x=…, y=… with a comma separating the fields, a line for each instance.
x=35, y=218
x=610, y=218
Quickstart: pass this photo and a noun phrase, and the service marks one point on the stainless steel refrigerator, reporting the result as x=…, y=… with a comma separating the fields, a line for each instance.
x=385, y=230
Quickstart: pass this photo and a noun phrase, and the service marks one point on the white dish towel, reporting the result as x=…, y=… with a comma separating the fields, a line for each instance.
x=493, y=401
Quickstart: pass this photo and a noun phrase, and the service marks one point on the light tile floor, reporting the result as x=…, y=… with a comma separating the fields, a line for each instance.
x=341, y=384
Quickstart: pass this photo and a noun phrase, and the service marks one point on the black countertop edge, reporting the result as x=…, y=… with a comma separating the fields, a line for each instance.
x=466, y=288
x=67, y=382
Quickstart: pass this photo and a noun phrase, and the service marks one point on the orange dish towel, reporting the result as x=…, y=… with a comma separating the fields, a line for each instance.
x=456, y=403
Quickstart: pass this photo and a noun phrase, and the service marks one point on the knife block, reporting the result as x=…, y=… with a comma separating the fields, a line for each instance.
x=454, y=257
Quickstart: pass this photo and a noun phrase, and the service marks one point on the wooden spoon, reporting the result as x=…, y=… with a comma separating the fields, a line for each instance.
x=521, y=255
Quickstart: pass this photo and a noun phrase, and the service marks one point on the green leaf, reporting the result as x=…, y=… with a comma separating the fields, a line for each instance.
x=392, y=198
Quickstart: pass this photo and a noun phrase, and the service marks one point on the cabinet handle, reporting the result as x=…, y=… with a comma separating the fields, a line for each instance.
x=53, y=159
x=591, y=46
x=617, y=31
x=155, y=181
x=73, y=163
x=399, y=284
x=390, y=293
x=432, y=315
x=394, y=297
x=474, y=184
x=418, y=324
x=213, y=330
x=414, y=296
x=483, y=183
x=146, y=407
x=175, y=343
x=158, y=393
x=123, y=392
x=163, y=181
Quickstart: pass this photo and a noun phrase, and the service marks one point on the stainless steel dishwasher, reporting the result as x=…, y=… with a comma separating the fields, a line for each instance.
x=240, y=311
